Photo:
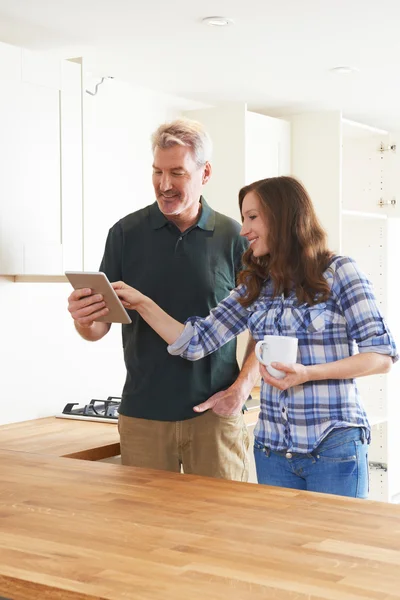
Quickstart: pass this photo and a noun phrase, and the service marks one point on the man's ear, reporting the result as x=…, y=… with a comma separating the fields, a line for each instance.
x=206, y=173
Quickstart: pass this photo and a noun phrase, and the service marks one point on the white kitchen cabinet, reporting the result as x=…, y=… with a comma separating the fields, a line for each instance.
x=41, y=155
x=247, y=146
x=352, y=174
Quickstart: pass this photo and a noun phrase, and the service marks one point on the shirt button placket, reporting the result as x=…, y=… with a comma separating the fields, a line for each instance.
x=284, y=416
x=178, y=244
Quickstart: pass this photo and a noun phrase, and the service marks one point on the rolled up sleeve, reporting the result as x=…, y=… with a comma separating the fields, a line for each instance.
x=365, y=322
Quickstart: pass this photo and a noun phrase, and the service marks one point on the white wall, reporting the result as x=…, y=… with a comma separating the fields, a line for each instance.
x=44, y=363
x=118, y=122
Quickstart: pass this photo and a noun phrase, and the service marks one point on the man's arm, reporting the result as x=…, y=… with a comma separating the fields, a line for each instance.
x=231, y=401
x=93, y=332
x=250, y=370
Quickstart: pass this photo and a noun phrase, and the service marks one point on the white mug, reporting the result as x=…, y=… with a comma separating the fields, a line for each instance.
x=276, y=348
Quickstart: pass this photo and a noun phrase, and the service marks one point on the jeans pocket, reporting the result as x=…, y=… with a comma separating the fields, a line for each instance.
x=345, y=452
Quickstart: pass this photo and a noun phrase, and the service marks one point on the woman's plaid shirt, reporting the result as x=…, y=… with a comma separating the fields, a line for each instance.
x=299, y=418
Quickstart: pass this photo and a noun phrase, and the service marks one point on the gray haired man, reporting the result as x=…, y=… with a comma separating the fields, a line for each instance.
x=177, y=415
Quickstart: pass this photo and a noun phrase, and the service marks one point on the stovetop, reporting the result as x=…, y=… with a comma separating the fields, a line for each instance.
x=96, y=410
x=107, y=410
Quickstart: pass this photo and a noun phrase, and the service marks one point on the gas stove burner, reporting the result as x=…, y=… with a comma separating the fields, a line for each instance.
x=96, y=410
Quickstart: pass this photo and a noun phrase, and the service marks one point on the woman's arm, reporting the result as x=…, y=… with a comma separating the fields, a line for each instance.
x=359, y=365
x=162, y=323
x=199, y=336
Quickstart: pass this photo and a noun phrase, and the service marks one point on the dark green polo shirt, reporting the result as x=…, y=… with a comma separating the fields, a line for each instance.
x=187, y=274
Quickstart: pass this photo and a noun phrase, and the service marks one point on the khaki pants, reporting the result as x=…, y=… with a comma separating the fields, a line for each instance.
x=208, y=445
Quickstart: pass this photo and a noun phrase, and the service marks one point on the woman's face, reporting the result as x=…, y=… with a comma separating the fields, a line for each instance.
x=255, y=226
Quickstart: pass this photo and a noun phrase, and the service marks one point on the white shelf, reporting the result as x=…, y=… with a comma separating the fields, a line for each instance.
x=363, y=215
x=376, y=419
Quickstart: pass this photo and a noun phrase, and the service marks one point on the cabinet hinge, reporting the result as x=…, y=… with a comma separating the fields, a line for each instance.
x=387, y=148
x=378, y=466
x=383, y=202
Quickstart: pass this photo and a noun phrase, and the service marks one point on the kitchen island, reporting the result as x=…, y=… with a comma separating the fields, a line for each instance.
x=75, y=529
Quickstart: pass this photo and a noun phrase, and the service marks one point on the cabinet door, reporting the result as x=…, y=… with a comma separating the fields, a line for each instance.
x=40, y=211
x=11, y=249
x=39, y=168
x=267, y=147
x=30, y=238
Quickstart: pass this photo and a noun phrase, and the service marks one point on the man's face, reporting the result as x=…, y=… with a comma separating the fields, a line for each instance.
x=177, y=180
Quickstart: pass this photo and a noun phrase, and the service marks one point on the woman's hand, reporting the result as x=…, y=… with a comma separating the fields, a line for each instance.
x=296, y=374
x=129, y=297
x=166, y=327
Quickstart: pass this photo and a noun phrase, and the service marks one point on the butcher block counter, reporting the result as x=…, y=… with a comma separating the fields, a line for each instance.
x=73, y=529
x=62, y=437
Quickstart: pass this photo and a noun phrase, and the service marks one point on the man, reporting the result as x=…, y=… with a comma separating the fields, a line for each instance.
x=176, y=414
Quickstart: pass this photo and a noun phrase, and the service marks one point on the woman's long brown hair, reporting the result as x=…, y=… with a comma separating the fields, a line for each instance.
x=298, y=254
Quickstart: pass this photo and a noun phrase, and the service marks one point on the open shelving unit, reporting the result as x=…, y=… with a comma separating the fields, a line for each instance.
x=352, y=172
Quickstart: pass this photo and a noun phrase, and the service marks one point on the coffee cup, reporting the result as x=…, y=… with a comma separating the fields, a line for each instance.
x=276, y=348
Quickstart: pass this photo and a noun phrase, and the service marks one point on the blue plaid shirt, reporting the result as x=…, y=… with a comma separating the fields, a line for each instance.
x=299, y=418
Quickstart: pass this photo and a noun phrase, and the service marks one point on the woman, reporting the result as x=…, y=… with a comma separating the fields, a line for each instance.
x=312, y=432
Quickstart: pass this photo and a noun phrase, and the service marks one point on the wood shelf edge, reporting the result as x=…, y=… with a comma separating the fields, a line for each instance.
x=39, y=279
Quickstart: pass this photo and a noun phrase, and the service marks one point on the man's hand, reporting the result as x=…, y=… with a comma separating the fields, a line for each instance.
x=85, y=307
x=295, y=375
x=225, y=403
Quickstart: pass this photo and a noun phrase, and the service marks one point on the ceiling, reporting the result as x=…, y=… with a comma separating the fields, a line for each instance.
x=276, y=56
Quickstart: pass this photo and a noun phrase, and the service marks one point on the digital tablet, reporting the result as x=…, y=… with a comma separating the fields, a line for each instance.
x=99, y=283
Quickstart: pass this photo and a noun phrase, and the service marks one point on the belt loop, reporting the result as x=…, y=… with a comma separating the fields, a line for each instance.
x=267, y=451
x=363, y=435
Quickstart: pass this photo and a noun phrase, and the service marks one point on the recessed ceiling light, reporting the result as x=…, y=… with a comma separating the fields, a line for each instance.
x=217, y=21
x=343, y=70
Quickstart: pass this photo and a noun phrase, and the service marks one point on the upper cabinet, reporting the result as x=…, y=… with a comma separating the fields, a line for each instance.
x=346, y=167
x=41, y=156
x=247, y=146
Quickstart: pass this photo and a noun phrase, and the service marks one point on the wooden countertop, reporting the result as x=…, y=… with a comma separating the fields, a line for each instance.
x=78, y=439
x=62, y=437
x=82, y=530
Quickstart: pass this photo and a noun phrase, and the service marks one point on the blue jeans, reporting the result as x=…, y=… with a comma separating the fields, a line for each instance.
x=339, y=465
